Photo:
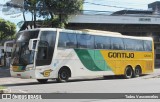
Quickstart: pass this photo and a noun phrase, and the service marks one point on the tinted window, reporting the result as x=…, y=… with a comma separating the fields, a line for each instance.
x=102, y=42
x=117, y=44
x=67, y=40
x=26, y=36
x=148, y=45
x=129, y=44
x=46, y=48
x=21, y=55
x=138, y=45
x=85, y=41
x=133, y=44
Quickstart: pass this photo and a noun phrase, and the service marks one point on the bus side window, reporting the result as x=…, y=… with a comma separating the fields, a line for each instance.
x=102, y=42
x=139, y=45
x=67, y=40
x=129, y=44
x=133, y=44
x=85, y=41
x=117, y=43
x=148, y=45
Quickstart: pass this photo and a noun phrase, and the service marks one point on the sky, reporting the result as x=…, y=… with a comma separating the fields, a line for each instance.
x=118, y=4
x=97, y=5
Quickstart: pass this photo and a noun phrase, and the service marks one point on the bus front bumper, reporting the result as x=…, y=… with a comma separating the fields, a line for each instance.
x=30, y=74
x=34, y=74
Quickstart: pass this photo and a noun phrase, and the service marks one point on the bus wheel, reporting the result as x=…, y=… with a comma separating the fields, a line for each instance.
x=42, y=81
x=128, y=72
x=63, y=75
x=137, y=72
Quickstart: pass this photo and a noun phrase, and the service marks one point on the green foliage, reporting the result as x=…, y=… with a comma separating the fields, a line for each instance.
x=57, y=11
x=62, y=9
x=7, y=29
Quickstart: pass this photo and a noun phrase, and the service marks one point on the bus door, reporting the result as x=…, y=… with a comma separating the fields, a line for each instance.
x=46, y=48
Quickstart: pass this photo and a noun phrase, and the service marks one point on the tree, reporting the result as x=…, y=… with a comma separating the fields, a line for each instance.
x=7, y=29
x=54, y=11
x=62, y=9
x=12, y=7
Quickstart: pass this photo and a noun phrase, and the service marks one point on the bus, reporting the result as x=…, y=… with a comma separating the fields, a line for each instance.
x=5, y=55
x=53, y=53
x=1, y=54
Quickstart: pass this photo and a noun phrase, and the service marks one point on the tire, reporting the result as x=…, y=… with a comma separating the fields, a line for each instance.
x=42, y=81
x=63, y=75
x=137, y=72
x=128, y=73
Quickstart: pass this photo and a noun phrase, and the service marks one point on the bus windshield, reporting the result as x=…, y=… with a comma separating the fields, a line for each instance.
x=21, y=55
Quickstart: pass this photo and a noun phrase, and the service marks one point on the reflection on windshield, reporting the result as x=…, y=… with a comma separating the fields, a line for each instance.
x=21, y=54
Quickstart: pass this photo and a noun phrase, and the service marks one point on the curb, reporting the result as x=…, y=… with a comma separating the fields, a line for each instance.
x=5, y=91
x=153, y=76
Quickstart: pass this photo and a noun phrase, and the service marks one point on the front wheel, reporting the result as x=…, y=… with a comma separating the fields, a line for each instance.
x=128, y=73
x=42, y=81
x=63, y=75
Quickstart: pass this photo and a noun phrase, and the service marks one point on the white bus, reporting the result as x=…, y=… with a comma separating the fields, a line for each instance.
x=52, y=53
x=1, y=54
x=5, y=55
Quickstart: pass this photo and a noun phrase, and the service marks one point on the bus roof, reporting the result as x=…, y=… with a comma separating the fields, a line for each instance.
x=100, y=31
x=94, y=32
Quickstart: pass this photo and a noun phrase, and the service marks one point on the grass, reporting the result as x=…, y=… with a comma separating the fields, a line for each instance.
x=2, y=87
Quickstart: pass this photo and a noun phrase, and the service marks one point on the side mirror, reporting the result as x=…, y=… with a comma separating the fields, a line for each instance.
x=32, y=44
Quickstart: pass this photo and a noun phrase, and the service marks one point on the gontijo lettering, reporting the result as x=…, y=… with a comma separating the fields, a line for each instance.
x=120, y=55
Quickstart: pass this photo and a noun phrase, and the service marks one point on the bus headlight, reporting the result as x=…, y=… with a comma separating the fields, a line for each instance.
x=29, y=68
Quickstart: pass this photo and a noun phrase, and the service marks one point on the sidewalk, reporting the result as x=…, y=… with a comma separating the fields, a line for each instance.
x=155, y=74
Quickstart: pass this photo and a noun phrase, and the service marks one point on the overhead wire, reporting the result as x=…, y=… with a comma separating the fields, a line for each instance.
x=120, y=1
x=107, y=5
x=91, y=3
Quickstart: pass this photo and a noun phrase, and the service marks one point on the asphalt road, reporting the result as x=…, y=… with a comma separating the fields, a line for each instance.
x=144, y=84
x=4, y=72
x=147, y=83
